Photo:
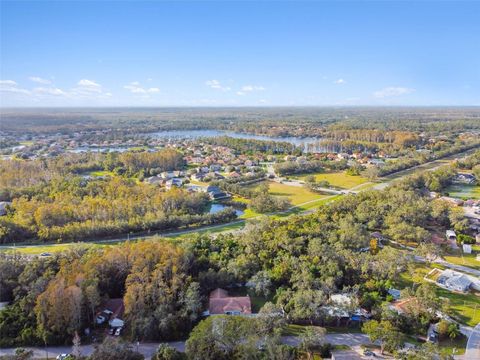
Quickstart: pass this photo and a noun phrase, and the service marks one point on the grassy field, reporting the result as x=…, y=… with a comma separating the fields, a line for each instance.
x=464, y=191
x=469, y=260
x=102, y=173
x=338, y=179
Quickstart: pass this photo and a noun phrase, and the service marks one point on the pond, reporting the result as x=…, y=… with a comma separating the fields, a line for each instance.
x=307, y=143
x=217, y=207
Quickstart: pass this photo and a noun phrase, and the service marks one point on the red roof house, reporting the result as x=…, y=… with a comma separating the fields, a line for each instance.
x=221, y=303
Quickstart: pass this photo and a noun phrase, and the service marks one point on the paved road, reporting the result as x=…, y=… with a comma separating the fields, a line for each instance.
x=354, y=340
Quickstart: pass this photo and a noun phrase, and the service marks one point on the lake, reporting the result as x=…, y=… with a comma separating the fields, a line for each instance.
x=217, y=207
x=307, y=143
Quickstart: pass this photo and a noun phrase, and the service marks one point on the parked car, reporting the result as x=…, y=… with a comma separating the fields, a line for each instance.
x=111, y=331
x=367, y=352
x=100, y=319
x=118, y=331
x=45, y=254
x=432, y=337
x=62, y=356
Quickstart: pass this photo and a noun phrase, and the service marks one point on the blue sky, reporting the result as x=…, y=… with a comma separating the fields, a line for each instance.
x=264, y=53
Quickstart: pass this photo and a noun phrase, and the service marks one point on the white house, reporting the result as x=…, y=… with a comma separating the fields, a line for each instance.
x=450, y=235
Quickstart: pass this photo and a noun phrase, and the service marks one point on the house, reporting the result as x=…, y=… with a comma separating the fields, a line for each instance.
x=175, y=182
x=152, y=180
x=3, y=207
x=220, y=303
x=215, y=192
x=465, y=178
x=394, y=293
x=198, y=176
x=402, y=306
x=450, y=235
x=467, y=249
x=455, y=281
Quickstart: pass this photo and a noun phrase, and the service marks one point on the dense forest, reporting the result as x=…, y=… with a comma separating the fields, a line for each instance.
x=52, y=199
x=267, y=121
x=301, y=260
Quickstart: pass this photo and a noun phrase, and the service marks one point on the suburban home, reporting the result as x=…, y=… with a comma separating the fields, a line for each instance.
x=394, y=293
x=450, y=235
x=3, y=207
x=467, y=249
x=454, y=281
x=215, y=192
x=198, y=177
x=465, y=178
x=175, y=182
x=221, y=303
x=402, y=306
x=152, y=180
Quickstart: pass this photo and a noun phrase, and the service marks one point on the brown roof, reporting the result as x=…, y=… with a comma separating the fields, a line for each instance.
x=221, y=303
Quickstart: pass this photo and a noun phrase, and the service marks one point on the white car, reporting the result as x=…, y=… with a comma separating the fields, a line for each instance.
x=118, y=331
x=100, y=319
x=62, y=356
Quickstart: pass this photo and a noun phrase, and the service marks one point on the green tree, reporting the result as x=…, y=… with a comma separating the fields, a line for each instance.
x=312, y=339
x=384, y=331
x=113, y=349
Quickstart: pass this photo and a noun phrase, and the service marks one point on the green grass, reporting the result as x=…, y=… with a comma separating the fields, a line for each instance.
x=464, y=191
x=459, y=344
x=338, y=179
x=297, y=330
x=465, y=307
x=459, y=258
x=101, y=173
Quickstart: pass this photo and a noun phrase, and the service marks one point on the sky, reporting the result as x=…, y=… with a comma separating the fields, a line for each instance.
x=251, y=53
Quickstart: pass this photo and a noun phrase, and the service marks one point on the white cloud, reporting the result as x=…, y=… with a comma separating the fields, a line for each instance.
x=340, y=81
x=49, y=91
x=135, y=88
x=12, y=87
x=86, y=85
x=392, y=91
x=40, y=80
x=8, y=83
x=215, y=84
x=249, y=88
x=262, y=101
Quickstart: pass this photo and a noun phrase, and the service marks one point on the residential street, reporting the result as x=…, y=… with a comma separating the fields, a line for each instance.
x=354, y=340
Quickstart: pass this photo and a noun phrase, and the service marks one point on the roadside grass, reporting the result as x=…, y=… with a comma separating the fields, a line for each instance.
x=336, y=178
x=459, y=344
x=296, y=194
x=459, y=258
x=297, y=330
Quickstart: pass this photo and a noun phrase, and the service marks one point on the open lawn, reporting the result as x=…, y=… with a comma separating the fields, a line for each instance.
x=296, y=194
x=338, y=179
x=459, y=258
x=464, y=191
x=101, y=173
